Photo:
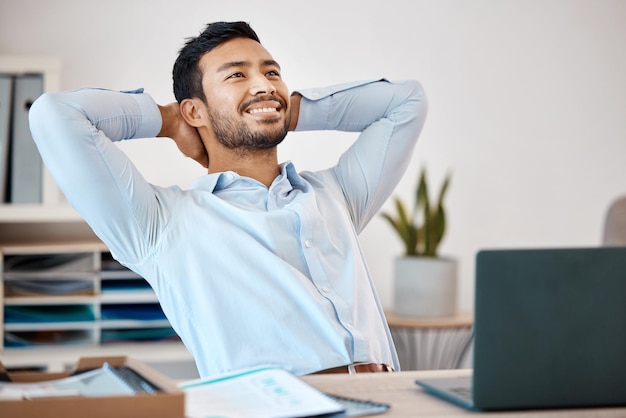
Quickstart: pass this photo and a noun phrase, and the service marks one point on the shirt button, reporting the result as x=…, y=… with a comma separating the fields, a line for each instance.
x=325, y=289
x=308, y=243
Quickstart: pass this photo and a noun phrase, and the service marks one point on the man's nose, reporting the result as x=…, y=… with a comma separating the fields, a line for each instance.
x=261, y=85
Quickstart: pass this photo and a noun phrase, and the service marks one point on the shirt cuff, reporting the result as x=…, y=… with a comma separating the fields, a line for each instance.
x=151, y=121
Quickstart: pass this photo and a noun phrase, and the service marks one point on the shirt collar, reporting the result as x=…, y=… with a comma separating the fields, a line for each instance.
x=288, y=171
x=219, y=181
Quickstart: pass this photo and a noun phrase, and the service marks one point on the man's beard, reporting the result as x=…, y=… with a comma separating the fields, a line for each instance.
x=236, y=135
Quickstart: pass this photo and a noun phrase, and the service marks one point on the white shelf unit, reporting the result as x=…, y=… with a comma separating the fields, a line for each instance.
x=33, y=222
x=54, y=205
x=73, y=298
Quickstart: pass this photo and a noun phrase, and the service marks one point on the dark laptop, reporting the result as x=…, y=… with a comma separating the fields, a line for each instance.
x=549, y=331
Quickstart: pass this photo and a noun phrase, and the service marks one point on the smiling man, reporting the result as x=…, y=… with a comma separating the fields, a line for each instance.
x=257, y=263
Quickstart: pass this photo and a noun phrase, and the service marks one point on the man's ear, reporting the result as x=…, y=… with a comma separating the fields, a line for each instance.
x=192, y=110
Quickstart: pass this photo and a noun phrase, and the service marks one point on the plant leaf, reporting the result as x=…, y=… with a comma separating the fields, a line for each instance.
x=423, y=206
x=403, y=227
x=422, y=230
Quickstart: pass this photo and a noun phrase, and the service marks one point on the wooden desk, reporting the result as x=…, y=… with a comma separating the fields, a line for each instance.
x=410, y=401
x=432, y=343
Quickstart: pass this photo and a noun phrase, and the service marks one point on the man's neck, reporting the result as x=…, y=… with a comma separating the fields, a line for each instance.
x=259, y=165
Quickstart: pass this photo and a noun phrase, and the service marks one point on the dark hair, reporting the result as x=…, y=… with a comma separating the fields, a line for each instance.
x=186, y=74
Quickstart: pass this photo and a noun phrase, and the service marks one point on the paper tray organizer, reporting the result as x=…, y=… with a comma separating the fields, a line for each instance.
x=167, y=402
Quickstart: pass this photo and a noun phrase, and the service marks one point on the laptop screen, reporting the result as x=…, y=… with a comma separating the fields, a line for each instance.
x=550, y=328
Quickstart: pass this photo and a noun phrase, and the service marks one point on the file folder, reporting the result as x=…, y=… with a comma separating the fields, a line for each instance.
x=26, y=167
x=6, y=83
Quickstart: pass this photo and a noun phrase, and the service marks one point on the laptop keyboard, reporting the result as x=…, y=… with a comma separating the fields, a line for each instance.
x=462, y=392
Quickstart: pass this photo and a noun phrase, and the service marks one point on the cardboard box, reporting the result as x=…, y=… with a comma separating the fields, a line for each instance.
x=169, y=402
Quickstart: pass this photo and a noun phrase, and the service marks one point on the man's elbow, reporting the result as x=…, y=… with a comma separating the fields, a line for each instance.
x=47, y=113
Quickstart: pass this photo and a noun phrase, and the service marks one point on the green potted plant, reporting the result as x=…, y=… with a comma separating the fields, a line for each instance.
x=425, y=284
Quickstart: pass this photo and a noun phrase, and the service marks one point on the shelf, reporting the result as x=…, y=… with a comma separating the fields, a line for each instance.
x=119, y=306
x=49, y=300
x=20, y=340
x=38, y=213
x=117, y=274
x=48, y=326
x=54, y=207
x=127, y=323
x=144, y=296
x=49, y=219
x=60, y=358
x=49, y=275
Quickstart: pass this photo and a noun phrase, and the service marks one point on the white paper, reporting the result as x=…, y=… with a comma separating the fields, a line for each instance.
x=98, y=382
x=260, y=393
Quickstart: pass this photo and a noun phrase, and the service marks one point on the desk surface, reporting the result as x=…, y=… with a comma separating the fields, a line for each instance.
x=408, y=400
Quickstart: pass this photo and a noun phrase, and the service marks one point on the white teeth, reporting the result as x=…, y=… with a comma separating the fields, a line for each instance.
x=263, y=110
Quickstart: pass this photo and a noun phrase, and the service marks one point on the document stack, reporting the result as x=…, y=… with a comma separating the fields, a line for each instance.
x=20, y=164
x=97, y=387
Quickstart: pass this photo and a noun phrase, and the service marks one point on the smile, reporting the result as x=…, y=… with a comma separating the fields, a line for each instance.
x=262, y=110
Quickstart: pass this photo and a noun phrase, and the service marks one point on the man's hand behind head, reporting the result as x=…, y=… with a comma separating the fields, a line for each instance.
x=184, y=135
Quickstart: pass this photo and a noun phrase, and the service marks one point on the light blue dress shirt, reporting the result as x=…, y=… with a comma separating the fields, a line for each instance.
x=246, y=274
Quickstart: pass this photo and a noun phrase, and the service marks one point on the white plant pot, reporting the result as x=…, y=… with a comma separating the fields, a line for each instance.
x=425, y=287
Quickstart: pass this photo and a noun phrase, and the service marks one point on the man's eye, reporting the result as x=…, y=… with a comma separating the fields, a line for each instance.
x=236, y=75
x=273, y=73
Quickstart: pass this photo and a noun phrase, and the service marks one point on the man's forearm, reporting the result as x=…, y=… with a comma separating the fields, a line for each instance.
x=169, y=119
x=352, y=107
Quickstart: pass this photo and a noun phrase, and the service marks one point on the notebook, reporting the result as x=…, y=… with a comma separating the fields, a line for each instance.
x=549, y=331
x=268, y=392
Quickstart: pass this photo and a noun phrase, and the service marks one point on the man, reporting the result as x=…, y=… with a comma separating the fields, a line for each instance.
x=257, y=263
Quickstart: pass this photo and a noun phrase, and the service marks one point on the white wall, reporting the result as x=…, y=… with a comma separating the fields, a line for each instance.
x=527, y=97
